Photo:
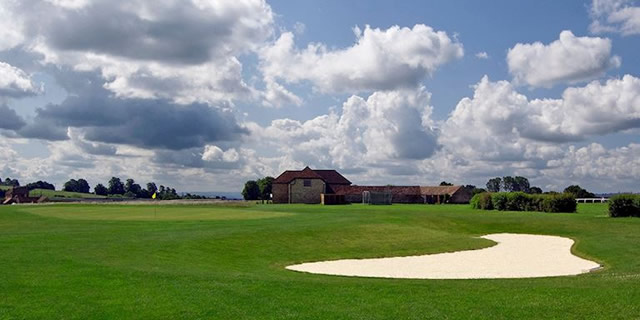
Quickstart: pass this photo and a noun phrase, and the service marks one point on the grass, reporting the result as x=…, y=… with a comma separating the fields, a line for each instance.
x=52, y=194
x=186, y=262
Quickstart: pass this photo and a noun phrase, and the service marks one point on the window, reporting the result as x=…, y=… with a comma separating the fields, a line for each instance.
x=306, y=183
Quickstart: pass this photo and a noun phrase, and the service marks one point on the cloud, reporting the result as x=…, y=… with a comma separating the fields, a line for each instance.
x=90, y=147
x=186, y=51
x=144, y=123
x=299, y=28
x=482, y=55
x=386, y=127
x=379, y=60
x=569, y=59
x=276, y=95
x=616, y=169
x=15, y=83
x=500, y=124
x=9, y=119
x=620, y=16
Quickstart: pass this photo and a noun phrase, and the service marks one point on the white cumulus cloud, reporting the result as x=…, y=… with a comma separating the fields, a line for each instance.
x=387, y=126
x=14, y=82
x=482, y=55
x=501, y=124
x=621, y=16
x=379, y=60
x=569, y=59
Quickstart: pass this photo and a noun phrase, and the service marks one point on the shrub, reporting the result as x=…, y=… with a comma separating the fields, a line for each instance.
x=563, y=202
x=535, y=202
x=482, y=201
x=517, y=201
x=624, y=205
x=520, y=201
x=499, y=200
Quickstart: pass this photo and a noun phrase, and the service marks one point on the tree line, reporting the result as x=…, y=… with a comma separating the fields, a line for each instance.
x=33, y=185
x=260, y=189
x=114, y=187
x=521, y=184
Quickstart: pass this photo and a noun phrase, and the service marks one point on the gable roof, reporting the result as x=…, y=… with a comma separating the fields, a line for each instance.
x=399, y=190
x=439, y=190
x=328, y=176
x=394, y=190
x=290, y=175
x=332, y=177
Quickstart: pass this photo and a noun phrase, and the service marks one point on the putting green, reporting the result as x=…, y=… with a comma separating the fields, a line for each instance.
x=151, y=213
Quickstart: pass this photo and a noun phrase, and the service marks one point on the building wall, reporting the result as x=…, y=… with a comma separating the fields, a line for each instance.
x=301, y=194
x=463, y=195
x=280, y=193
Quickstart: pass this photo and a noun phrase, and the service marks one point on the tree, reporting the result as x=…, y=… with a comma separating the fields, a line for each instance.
x=251, y=190
x=522, y=184
x=509, y=184
x=71, y=186
x=115, y=186
x=40, y=185
x=132, y=187
x=579, y=192
x=151, y=188
x=11, y=182
x=444, y=183
x=265, y=185
x=535, y=190
x=100, y=190
x=493, y=185
x=83, y=186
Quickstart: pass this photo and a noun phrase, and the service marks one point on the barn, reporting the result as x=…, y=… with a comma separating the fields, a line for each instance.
x=308, y=186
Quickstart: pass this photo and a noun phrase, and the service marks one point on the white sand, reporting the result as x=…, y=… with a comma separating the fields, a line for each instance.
x=515, y=256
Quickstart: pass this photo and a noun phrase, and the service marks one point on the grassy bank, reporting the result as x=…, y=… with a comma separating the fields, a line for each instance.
x=117, y=261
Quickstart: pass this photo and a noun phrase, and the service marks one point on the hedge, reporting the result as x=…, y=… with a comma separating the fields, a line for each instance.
x=520, y=201
x=624, y=205
x=482, y=201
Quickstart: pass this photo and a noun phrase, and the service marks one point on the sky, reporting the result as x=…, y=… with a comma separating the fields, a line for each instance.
x=203, y=95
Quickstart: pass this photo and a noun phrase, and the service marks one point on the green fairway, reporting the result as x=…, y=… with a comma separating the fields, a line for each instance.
x=227, y=262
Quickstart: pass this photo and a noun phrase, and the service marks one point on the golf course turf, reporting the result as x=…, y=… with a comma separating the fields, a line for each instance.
x=228, y=262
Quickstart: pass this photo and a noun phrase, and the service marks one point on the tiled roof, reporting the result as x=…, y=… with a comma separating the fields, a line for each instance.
x=332, y=177
x=439, y=190
x=289, y=175
x=394, y=190
x=400, y=190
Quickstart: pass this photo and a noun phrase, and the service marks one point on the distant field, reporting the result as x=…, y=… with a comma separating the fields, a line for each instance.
x=61, y=194
x=56, y=194
x=223, y=262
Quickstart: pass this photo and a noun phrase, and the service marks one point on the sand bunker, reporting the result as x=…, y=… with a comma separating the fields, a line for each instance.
x=515, y=256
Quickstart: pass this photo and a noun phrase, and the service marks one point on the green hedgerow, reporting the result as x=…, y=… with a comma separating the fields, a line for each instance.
x=482, y=201
x=562, y=202
x=520, y=201
x=624, y=205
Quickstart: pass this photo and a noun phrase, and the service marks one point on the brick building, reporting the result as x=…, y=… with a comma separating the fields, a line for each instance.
x=307, y=186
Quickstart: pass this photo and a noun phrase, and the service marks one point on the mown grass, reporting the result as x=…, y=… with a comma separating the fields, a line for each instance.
x=186, y=262
x=52, y=194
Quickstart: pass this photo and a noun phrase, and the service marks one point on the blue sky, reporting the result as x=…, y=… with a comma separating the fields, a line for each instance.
x=204, y=95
